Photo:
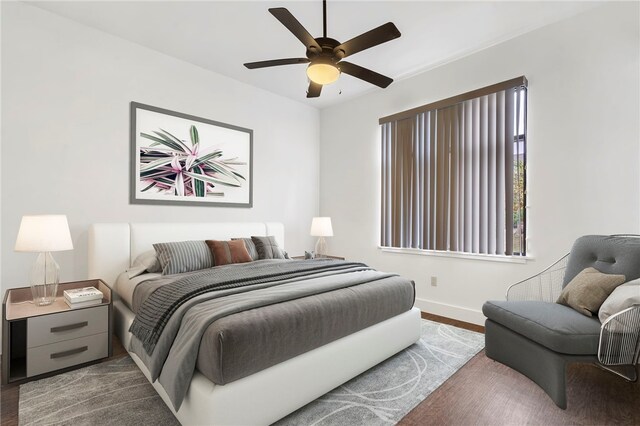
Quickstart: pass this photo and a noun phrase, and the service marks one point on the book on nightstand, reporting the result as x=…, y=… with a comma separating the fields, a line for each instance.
x=77, y=305
x=81, y=297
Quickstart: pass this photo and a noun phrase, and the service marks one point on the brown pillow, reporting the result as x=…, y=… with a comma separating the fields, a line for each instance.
x=226, y=252
x=588, y=290
x=251, y=248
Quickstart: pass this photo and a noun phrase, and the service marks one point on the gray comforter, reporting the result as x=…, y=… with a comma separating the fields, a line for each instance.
x=159, y=307
x=175, y=352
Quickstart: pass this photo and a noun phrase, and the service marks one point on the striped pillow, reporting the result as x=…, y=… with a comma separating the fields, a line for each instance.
x=183, y=256
x=227, y=252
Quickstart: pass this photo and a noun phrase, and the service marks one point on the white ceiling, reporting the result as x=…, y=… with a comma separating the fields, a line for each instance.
x=221, y=36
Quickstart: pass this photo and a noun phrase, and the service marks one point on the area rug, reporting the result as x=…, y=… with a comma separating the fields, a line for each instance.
x=389, y=391
x=116, y=392
x=111, y=393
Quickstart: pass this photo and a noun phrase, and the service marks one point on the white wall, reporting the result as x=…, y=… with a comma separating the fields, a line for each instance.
x=584, y=113
x=66, y=90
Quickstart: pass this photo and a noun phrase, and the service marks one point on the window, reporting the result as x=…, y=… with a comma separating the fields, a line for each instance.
x=454, y=173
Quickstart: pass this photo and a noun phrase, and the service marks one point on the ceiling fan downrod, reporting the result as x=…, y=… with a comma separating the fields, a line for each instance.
x=324, y=18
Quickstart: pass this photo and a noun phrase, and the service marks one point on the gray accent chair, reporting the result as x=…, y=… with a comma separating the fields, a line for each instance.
x=532, y=334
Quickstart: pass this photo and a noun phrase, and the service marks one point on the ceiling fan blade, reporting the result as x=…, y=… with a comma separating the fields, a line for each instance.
x=276, y=62
x=365, y=74
x=376, y=36
x=293, y=25
x=314, y=90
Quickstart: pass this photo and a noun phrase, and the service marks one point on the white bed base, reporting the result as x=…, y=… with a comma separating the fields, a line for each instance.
x=266, y=396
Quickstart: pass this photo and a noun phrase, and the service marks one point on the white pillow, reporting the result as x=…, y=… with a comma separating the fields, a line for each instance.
x=146, y=262
x=623, y=297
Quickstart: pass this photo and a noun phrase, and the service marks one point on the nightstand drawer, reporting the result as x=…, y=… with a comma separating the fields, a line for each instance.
x=67, y=325
x=43, y=359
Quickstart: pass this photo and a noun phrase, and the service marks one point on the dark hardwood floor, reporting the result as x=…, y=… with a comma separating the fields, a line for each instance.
x=485, y=392
x=9, y=405
x=454, y=322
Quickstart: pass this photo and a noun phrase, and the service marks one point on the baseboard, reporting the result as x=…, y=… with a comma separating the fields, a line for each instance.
x=451, y=311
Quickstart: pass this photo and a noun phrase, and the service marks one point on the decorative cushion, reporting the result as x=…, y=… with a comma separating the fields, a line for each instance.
x=588, y=290
x=251, y=248
x=183, y=256
x=227, y=252
x=623, y=297
x=554, y=326
x=146, y=262
x=608, y=254
x=267, y=248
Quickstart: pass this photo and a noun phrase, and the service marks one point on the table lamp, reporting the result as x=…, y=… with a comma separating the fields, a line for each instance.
x=321, y=227
x=44, y=234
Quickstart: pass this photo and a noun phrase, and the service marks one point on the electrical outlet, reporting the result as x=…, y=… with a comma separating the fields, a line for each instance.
x=434, y=281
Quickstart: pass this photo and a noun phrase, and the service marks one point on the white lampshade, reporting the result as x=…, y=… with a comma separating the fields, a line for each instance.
x=321, y=227
x=44, y=233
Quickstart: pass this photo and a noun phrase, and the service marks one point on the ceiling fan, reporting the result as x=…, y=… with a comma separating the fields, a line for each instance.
x=325, y=55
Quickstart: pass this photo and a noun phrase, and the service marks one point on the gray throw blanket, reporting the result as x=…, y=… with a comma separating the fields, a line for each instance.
x=154, y=313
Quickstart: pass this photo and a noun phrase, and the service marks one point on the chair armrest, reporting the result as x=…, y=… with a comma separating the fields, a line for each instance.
x=545, y=286
x=620, y=338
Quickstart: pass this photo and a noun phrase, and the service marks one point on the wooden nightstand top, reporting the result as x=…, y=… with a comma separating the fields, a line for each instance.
x=17, y=300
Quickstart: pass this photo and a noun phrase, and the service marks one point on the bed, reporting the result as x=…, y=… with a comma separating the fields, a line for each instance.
x=265, y=396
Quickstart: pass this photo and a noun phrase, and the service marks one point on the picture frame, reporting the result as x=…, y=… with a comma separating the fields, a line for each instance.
x=181, y=159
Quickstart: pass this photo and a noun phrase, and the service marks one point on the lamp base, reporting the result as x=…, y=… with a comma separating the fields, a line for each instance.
x=321, y=247
x=45, y=276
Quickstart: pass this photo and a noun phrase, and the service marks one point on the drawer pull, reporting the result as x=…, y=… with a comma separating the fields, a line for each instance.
x=69, y=327
x=69, y=352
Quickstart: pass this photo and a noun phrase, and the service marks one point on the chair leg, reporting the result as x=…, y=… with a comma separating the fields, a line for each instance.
x=627, y=372
x=543, y=366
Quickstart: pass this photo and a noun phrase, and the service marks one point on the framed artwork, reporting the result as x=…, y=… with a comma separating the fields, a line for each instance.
x=182, y=159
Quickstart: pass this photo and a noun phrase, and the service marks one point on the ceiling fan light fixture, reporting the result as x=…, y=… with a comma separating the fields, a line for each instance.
x=323, y=73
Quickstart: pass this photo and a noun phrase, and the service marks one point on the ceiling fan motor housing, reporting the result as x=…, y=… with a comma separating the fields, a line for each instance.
x=329, y=51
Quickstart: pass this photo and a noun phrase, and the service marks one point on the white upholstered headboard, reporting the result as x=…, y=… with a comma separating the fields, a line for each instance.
x=114, y=246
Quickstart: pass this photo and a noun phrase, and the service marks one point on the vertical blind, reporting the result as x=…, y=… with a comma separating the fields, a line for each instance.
x=449, y=169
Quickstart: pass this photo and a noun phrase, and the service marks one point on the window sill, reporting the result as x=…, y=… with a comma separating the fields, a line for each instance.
x=459, y=255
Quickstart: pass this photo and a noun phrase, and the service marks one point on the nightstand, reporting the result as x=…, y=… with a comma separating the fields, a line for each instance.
x=320, y=257
x=42, y=339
